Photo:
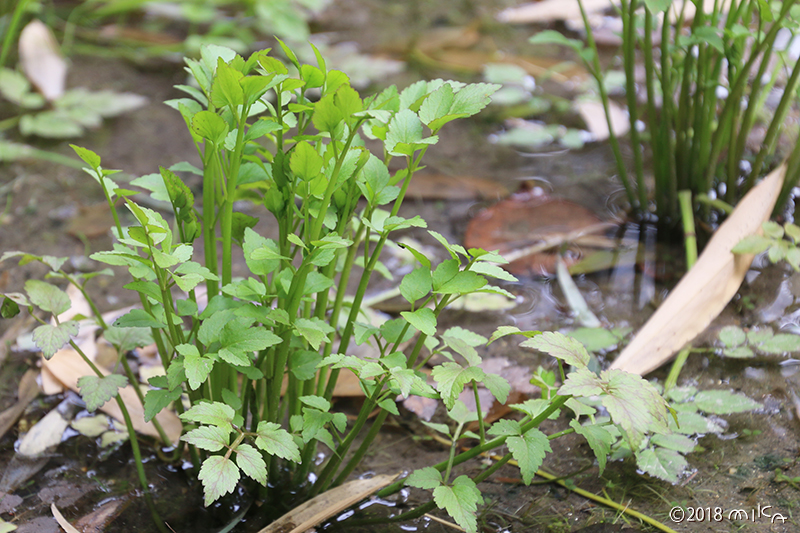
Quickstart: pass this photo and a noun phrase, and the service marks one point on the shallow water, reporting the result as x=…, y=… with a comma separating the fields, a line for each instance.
x=733, y=471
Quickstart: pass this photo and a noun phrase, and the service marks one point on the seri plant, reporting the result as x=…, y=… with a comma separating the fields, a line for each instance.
x=263, y=137
x=706, y=87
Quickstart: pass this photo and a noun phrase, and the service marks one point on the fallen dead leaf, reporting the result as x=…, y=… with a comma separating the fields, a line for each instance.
x=44, y=435
x=421, y=406
x=458, y=37
x=347, y=385
x=41, y=61
x=98, y=520
x=550, y=11
x=707, y=288
x=443, y=187
x=327, y=505
x=473, y=61
x=524, y=226
x=593, y=115
x=27, y=391
x=91, y=221
x=67, y=367
x=69, y=528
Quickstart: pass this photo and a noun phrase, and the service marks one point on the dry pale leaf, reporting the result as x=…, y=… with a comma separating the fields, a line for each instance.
x=68, y=366
x=27, y=391
x=98, y=520
x=707, y=288
x=327, y=504
x=593, y=115
x=551, y=11
x=474, y=61
x=69, y=528
x=41, y=61
x=44, y=435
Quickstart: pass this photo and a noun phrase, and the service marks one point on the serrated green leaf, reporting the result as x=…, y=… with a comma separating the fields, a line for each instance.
x=210, y=126
x=126, y=339
x=732, y=336
x=423, y=319
x=313, y=330
x=451, y=378
x=569, y=350
x=752, y=244
x=96, y=391
x=662, y=463
x=317, y=402
x=437, y=104
x=219, y=476
x=209, y=438
x=634, y=404
x=498, y=386
x=9, y=308
x=491, y=270
x=463, y=282
x=196, y=367
x=595, y=339
x=138, y=318
x=261, y=255
x=460, y=501
x=424, y=478
x=691, y=423
x=404, y=136
x=303, y=364
x=529, y=451
x=251, y=463
x=274, y=440
x=51, y=338
x=721, y=402
x=599, y=439
x=156, y=401
x=674, y=441
x=416, y=284
x=212, y=413
x=47, y=297
x=505, y=426
x=305, y=162
x=781, y=344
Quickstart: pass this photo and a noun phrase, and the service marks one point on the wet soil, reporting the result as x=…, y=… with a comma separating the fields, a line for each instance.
x=736, y=470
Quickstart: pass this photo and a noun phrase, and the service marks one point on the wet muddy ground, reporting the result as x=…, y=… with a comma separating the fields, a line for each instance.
x=54, y=210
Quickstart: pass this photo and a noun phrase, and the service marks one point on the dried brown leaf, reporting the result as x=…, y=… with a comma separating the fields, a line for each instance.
x=28, y=390
x=327, y=504
x=67, y=366
x=707, y=288
x=69, y=528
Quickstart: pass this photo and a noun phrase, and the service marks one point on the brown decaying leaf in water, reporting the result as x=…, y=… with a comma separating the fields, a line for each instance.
x=523, y=220
x=707, y=288
x=28, y=390
x=91, y=221
x=442, y=187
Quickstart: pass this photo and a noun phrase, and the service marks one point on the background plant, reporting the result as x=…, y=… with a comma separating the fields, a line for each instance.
x=261, y=137
x=706, y=87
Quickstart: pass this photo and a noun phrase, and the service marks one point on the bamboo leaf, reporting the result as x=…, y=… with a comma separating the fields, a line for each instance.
x=706, y=288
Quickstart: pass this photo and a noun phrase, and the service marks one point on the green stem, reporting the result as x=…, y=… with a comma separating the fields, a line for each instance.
x=689, y=235
x=230, y=196
x=555, y=404
x=11, y=31
x=137, y=453
x=597, y=73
